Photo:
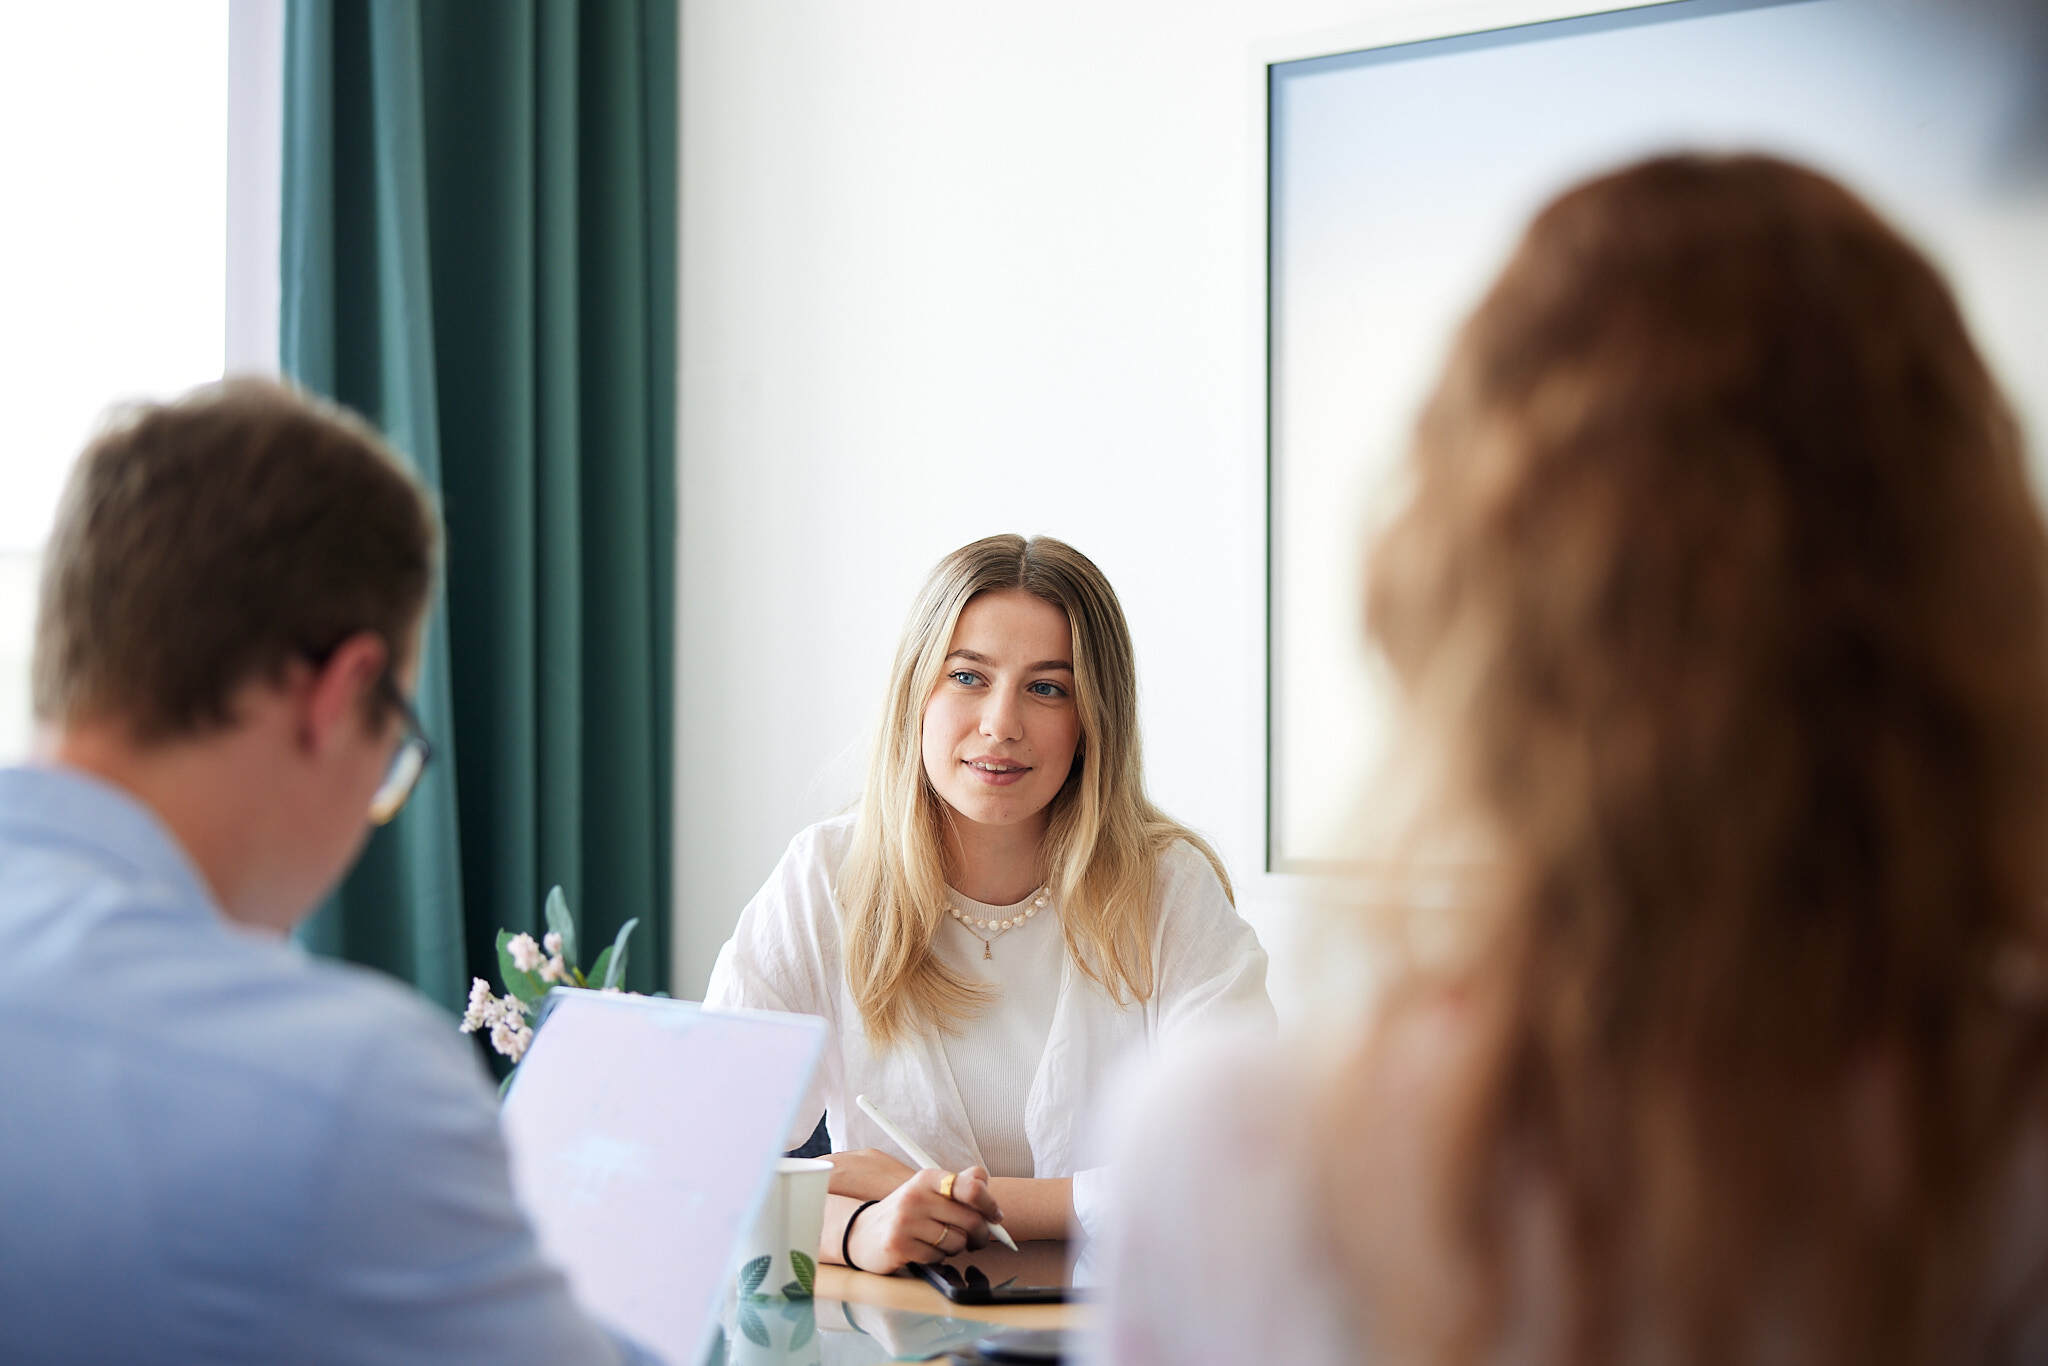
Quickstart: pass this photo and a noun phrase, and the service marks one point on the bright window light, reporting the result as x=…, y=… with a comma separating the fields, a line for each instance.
x=113, y=167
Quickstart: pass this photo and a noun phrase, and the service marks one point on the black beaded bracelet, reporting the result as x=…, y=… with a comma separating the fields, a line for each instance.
x=846, y=1237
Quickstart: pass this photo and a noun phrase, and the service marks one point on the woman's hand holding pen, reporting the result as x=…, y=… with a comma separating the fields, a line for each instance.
x=867, y=1173
x=928, y=1216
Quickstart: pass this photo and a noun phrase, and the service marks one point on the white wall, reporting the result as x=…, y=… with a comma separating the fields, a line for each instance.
x=950, y=270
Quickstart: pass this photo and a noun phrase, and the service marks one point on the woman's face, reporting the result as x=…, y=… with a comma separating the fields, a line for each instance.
x=1001, y=725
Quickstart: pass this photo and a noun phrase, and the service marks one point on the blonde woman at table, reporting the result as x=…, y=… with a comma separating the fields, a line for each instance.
x=1719, y=609
x=1003, y=918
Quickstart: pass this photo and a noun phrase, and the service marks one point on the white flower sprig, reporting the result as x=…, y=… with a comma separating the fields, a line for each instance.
x=530, y=969
x=504, y=1016
x=544, y=960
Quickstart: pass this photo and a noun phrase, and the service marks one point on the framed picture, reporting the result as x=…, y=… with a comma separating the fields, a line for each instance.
x=1403, y=160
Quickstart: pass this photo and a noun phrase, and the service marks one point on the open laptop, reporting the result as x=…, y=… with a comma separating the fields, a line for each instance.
x=642, y=1134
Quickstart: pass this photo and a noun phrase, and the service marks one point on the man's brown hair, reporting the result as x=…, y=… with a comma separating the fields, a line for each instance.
x=212, y=539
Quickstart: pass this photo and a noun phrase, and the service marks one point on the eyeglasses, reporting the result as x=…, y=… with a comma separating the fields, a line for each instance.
x=407, y=764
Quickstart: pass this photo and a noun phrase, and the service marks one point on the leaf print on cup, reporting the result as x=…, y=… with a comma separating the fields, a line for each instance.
x=752, y=1274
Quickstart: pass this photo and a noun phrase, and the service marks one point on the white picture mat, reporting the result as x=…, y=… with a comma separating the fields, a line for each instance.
x=642, y=1132
x=1399, y=178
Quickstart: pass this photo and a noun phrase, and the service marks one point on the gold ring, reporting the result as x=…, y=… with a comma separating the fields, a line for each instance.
x=946, y=1186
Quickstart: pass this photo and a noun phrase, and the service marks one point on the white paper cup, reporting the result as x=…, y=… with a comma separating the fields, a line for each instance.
x=779, y=1256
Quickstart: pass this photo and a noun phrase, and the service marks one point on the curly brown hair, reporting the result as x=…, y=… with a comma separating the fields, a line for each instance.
x=1722, y=599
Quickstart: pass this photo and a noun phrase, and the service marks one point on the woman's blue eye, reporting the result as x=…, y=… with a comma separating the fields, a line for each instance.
x=1047, y=689
x=964, y=678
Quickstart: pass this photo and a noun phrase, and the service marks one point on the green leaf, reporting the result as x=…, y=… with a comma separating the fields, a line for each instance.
x=523, y=985
x=616, y=969
x=562, y=923
x=806, y=1270
x=804, y=1328
x=597, y=969
x=752, y=1274
x=753, y=1326
x=503, y=1085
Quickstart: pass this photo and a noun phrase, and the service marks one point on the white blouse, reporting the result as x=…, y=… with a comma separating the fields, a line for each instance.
x=785, y=955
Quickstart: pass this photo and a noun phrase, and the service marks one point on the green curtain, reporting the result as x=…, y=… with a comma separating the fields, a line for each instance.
x=479, y=237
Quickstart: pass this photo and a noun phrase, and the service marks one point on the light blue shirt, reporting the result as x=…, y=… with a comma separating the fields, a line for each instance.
x=214, y=1148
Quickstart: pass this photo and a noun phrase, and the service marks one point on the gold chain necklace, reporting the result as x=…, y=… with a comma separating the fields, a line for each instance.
x=988, y=931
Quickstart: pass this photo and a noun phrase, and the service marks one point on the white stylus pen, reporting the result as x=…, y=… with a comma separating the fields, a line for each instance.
x=922, y=1159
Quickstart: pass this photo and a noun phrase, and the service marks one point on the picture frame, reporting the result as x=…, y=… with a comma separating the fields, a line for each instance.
x=1403, y=155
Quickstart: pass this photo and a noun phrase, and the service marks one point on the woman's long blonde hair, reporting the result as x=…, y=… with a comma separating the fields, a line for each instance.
x=1722, y=596
x=1102, y=845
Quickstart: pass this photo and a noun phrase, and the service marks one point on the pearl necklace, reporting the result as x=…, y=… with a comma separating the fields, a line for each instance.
x=988, y=931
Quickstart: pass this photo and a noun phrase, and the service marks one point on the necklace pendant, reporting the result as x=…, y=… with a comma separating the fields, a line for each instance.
x=986, y=954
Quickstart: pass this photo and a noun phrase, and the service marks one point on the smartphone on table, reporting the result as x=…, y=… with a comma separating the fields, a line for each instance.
x=971, y=1286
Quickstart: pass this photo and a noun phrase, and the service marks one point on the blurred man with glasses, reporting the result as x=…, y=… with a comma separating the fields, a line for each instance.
x=214, y=1147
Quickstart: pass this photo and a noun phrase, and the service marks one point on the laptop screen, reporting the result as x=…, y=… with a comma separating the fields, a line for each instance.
x=642, y=1133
